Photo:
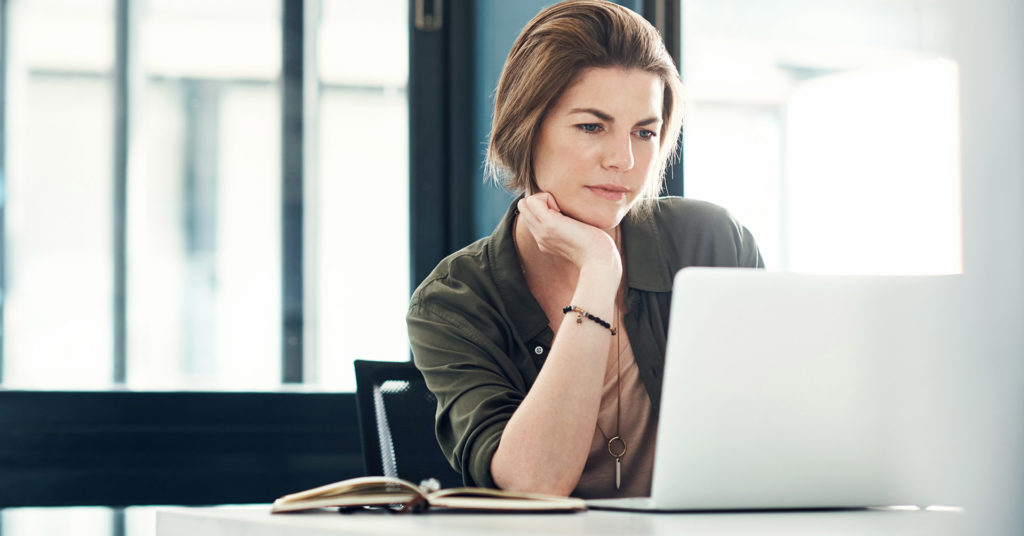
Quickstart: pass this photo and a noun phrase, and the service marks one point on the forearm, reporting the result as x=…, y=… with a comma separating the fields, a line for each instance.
x=545, y=444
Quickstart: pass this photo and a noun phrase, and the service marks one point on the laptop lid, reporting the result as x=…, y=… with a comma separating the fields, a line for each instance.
x=799, y=391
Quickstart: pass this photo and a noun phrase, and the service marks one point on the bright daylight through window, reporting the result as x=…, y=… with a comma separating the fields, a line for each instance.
x=830, y=128
x=204, y=201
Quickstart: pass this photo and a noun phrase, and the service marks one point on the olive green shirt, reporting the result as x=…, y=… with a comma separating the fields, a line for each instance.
x=480, y=338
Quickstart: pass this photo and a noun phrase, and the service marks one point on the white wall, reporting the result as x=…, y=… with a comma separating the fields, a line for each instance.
x=990, y=48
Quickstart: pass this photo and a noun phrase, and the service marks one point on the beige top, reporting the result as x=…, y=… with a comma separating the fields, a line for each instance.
x=638, y=428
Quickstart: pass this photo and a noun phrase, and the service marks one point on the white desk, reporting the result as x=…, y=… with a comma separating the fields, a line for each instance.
x=257, y=521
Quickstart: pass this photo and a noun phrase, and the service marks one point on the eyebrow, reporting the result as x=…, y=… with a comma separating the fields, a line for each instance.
x=605, y=117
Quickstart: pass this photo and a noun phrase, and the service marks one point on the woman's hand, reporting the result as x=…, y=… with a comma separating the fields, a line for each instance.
x=560, y=235
x=545, y=444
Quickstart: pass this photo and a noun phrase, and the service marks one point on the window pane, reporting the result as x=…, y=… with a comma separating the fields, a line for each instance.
x=204, y=197
x=140, y=520
x=80, y=521
x=360, y=200
x=829, y=127
x=59, y=295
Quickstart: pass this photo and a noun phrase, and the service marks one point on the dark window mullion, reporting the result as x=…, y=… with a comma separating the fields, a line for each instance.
x=463, y=162
x=117, y=522
x=122, y=16
x=4, y=33
x=292, y=144
x=665, y=16
x=428, y=171
x=442, y=147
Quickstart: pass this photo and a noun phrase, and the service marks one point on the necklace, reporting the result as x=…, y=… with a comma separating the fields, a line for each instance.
x=616, y=445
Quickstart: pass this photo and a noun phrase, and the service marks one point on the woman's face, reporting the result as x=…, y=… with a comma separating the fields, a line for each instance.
x=598, y=145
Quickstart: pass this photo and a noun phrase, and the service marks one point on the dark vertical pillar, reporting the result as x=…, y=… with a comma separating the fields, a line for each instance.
x=122, y=122
x=4, y=33
x=117, y=522
x=463, y=151
x=442, y=145
x=428, y=199
x=292, y=144
x=665, y=15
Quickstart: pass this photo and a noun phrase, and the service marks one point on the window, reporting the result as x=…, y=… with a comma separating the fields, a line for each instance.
x=830, y=128
x=360, y=200
x=58, y=289
x=203, y=202
x=203, y=210
x=204, y=195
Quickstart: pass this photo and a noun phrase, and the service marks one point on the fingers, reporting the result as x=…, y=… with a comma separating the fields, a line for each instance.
x=539, y=203
x=552, y=204
x=527, y=215
x=561, y=235
x=552, y=231
x=541, y=214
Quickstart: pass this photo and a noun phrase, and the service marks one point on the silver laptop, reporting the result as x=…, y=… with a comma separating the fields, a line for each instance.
x=787, y=391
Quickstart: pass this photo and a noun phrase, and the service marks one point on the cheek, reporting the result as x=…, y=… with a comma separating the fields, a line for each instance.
x=647, y=156
x=560, y=156
x=545, y=164
x=580, y=152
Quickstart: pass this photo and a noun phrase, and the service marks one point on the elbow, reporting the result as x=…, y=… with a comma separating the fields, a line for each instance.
x=518, y=478
x=534, y=484
x=545, y=488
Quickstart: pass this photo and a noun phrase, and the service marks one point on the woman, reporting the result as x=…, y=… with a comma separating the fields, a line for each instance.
x=520, y=335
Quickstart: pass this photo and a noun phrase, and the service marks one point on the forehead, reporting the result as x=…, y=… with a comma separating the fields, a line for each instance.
x=631, y=93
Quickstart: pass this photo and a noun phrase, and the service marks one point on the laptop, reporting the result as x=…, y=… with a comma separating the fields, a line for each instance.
x=790, y=391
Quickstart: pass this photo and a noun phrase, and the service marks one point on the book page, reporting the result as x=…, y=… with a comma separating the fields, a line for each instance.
x=357, y=499
x=379, y=491
x=356, y=487
x=496, y=499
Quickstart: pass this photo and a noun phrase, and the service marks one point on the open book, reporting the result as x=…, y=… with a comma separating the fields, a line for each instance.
x=384, y=491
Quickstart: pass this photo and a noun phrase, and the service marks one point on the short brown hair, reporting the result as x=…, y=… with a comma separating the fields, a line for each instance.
x=552, y=50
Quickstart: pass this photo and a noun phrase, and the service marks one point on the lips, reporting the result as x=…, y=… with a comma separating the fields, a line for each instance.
x=610, y=192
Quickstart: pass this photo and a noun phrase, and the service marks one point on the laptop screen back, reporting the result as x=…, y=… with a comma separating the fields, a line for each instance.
x=793, y=391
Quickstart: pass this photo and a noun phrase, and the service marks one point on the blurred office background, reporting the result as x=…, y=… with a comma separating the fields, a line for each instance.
x=203, y=192
x=173, y=220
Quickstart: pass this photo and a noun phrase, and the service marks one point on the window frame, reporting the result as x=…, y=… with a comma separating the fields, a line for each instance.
x=444, y=168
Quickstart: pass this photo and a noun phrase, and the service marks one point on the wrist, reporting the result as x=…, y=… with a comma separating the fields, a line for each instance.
x=603, y=273
x=596, y=290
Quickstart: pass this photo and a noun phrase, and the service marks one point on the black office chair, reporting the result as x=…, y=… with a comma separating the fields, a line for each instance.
x=396, y=422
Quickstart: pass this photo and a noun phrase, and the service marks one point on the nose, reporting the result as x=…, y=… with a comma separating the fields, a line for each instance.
x=618, y=152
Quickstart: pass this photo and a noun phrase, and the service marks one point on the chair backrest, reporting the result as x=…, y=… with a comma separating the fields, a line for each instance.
x=396, y=422
x=123, y=448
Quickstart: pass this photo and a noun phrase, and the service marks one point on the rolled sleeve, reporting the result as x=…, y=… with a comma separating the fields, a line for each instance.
x=474, y=382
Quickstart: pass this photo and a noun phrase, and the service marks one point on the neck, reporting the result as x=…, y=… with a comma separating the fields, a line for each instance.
x=537, y=263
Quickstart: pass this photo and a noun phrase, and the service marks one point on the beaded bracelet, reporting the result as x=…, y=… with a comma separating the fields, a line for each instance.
x=580, y=313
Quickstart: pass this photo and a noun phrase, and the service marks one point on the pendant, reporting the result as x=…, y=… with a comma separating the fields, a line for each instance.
x=617, y=449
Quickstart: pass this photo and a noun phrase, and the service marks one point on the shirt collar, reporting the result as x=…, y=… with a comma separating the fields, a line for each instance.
x=647, y=266
x=507, y=272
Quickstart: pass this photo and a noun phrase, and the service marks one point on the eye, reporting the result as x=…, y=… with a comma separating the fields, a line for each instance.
x=589, y=128
x=646, y=134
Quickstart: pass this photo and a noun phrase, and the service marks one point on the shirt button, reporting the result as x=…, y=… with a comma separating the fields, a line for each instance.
x=539, y=350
